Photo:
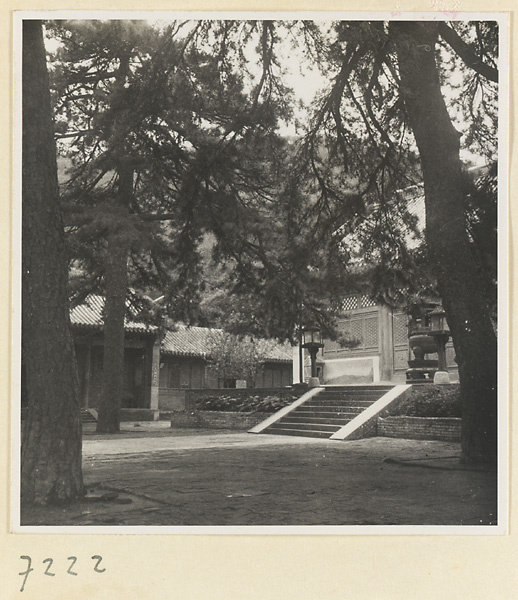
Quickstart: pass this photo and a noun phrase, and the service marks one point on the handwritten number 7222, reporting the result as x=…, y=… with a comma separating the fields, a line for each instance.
x=49, y=571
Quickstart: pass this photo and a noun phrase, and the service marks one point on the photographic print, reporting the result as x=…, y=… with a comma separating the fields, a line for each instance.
x=261, y=274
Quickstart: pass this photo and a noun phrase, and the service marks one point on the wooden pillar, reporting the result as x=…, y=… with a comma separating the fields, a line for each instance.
x=155, y=374
x=386, y=337
x=87, y=376
x=297, y=366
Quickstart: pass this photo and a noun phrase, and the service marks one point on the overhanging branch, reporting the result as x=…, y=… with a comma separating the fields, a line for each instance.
x=466, y=53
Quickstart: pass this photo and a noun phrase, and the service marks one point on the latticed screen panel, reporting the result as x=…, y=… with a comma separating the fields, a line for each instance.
x=331, y=346
x=356, y=330
x=363, y=328
x=366, y=301
x=400, y=329
x=371, y=332
x=357, y=301
x=349, y=303
x=400, y=340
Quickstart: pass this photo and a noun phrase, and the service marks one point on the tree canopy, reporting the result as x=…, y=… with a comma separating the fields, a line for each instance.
x=206, y=157
x=174, y=134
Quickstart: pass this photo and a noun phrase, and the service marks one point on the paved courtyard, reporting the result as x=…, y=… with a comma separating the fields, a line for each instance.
x=150, y=474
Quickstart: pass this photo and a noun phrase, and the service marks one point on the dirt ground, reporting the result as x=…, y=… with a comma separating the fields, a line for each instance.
x=150, y=474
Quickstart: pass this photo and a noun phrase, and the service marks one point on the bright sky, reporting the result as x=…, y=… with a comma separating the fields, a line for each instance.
x=304, y=81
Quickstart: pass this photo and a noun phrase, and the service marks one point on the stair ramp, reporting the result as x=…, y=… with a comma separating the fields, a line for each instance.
x=88, y=415
x=334, y=412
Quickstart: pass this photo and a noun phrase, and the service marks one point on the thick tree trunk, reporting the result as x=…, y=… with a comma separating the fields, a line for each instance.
x=116, y=278
x=116, y=283
x=51, y=437
x=447, y=240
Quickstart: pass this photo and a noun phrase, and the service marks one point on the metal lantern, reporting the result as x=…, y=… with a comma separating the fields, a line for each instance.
x=438, y=323
x=441, y=332
x=312, y=340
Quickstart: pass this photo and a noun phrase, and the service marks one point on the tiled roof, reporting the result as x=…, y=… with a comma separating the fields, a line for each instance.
x=185, y=341
x=90, y=315
x=280, y=353
x=194, y=341
x=415, y=204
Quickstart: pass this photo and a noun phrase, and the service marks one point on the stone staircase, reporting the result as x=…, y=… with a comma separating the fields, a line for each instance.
x=87, y=417
x=327, y=412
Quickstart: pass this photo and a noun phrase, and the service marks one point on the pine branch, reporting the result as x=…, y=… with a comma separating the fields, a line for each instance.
x=466, y=52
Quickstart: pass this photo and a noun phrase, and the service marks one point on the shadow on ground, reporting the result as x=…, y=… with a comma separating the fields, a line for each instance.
x=169, y=477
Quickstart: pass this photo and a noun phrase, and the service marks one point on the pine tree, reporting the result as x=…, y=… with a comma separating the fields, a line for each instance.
x=51, y=436
x=164, y=146
x=385, y=106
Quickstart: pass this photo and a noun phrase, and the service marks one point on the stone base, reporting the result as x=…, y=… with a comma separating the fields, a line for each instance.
x=139, y=414
x=420, y=375
x=313, y=382
x=441, y=377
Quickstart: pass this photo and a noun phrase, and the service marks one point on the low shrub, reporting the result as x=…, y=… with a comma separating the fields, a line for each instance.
x=430, y=401
x=267, y=404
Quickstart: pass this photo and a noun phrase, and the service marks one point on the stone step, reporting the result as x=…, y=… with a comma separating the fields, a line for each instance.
x=364, y=396
x=339, y=399
x=328, y=411
x=305, y=426
x=330, y=408
x=353, y=393
x=356, y=389
x=299, y=432
x=87, y=417
x=338, y=421
x=338, y=403
x=324, y=413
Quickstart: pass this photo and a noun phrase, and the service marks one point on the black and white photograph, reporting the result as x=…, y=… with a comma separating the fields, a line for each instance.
x=260, y=276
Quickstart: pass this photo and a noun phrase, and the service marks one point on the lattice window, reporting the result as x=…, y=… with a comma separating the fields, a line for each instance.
x=344, y=325
x=371, y=332
x=366, y=301
x=350, y=303
x=400, y=327
x=347, y=328
x=357, y=330
x=331, y=346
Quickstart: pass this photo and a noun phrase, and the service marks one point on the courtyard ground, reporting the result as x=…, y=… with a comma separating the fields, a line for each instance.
x=151, y=474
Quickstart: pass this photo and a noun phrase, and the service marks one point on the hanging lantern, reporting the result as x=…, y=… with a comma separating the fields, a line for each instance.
x=438, y=323
x=312, y=338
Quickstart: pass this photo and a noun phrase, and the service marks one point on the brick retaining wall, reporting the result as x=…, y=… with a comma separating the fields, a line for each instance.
x=420, y=428
x=139, y=414
x=217, y=419
x=193, y=395
x=412, y=428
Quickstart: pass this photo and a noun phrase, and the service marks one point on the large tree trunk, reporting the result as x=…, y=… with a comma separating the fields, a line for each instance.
x=51, y=437
x=116, y=280
x=447, y=240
